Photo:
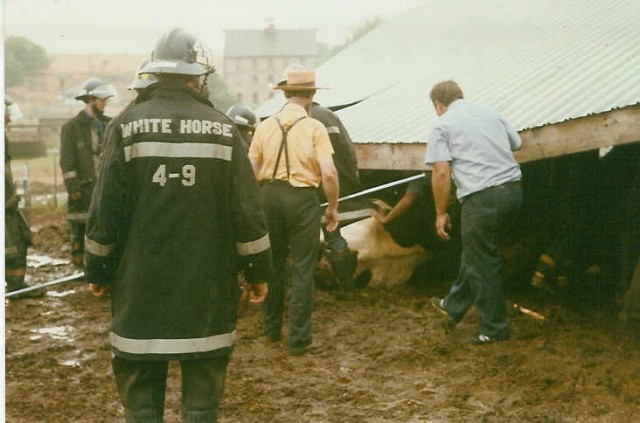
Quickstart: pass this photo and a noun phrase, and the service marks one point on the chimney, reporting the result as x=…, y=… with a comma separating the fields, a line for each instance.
x=270, y=25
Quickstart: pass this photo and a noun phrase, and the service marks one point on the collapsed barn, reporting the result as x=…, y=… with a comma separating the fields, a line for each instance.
x=564, y=74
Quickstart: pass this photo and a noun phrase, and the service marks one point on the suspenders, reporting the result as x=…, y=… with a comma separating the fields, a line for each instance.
x=283, y=146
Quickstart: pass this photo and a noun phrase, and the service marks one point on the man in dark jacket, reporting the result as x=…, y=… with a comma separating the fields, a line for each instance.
x=175, y=214
x=342, y=259
x=17, y=235
x=80, y=147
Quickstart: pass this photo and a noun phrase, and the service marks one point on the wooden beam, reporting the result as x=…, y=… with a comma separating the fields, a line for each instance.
x=616, y=127
x=612, y=128
x=388, y=156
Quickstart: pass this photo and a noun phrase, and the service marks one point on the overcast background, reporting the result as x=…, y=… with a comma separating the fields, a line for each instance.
x=132, y=26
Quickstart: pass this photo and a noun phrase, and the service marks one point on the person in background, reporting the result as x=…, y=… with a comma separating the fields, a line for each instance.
x=291, y=155
x=410, y=212
x=473, y=145
x=343, y=260
x=141, y=80
x=175, y=214
x=81, y=143
x=17, y=235
x=246, y=121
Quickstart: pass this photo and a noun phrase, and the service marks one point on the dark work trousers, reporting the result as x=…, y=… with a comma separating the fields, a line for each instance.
x=293, y=219
x=335, y=241
x=486, y=218
x=142, y=385
x=77, y=242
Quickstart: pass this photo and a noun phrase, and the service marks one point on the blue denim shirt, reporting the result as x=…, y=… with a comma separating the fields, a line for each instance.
x=478, y=143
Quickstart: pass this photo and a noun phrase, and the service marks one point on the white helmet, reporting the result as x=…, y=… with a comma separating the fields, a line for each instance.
x=96, y=88
x=11, y=109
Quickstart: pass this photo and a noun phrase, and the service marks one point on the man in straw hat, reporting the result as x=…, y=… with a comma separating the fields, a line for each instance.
x=291, y=155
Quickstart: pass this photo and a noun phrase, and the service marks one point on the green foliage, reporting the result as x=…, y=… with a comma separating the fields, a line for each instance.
x=360, y=30
x=219, y=93
x=23, y=59
x=357, y=31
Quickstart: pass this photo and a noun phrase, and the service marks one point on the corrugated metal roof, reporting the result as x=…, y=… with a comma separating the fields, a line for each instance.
x=276, y=42
x=535, y=62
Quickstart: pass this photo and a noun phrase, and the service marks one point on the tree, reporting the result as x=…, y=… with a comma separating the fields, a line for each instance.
x=357, y=31
x=219, y=93
x=23, y=59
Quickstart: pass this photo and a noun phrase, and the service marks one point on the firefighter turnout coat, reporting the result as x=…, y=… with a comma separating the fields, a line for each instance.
x=17, y=235
x=175, y=215
x=80, y=148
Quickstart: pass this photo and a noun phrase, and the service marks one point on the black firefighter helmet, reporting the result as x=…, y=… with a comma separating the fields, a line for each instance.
x=245, y=119
x=142, y=80
x=179, y=52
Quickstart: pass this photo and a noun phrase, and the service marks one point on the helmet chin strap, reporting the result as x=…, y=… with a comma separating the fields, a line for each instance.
x=204, y=84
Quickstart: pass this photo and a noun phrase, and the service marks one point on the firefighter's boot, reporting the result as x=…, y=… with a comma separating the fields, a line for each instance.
x=15, y=282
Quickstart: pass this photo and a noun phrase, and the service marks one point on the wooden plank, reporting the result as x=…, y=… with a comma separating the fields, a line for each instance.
x=612, y=128
x=389, y=156
x=608, y=129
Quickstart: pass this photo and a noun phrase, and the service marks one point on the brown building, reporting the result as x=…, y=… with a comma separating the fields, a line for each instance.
x=255, y=59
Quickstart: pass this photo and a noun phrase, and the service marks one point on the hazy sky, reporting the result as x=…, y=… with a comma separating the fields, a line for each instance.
x=132, y=26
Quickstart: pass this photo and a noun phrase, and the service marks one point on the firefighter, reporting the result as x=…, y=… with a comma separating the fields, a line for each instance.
x=80, y=146
x=343, y=260
x=175, y=214
x=17, y=235
x=245, y=119
x=141, y=80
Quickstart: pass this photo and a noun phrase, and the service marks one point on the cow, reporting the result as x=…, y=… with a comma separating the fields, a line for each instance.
x=389, y=254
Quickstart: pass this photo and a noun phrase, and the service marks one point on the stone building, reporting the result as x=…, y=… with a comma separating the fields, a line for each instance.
x=255, y=59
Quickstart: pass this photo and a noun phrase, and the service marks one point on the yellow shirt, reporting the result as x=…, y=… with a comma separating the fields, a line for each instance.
x=307, y=142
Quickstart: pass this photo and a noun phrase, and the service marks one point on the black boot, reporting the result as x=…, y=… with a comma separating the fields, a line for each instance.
x=16, y=283
x=344, y=264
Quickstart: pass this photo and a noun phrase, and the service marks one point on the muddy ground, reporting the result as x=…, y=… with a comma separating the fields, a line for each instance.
x=383, y=358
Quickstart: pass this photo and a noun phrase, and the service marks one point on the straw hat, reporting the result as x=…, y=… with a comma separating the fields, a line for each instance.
x=298, y=79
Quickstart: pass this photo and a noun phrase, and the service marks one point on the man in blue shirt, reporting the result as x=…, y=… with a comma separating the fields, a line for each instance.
x=473, y=145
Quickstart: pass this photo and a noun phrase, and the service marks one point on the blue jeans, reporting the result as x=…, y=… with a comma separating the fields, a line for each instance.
x=335, y=241
x=142, y=386
x=487, y=216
